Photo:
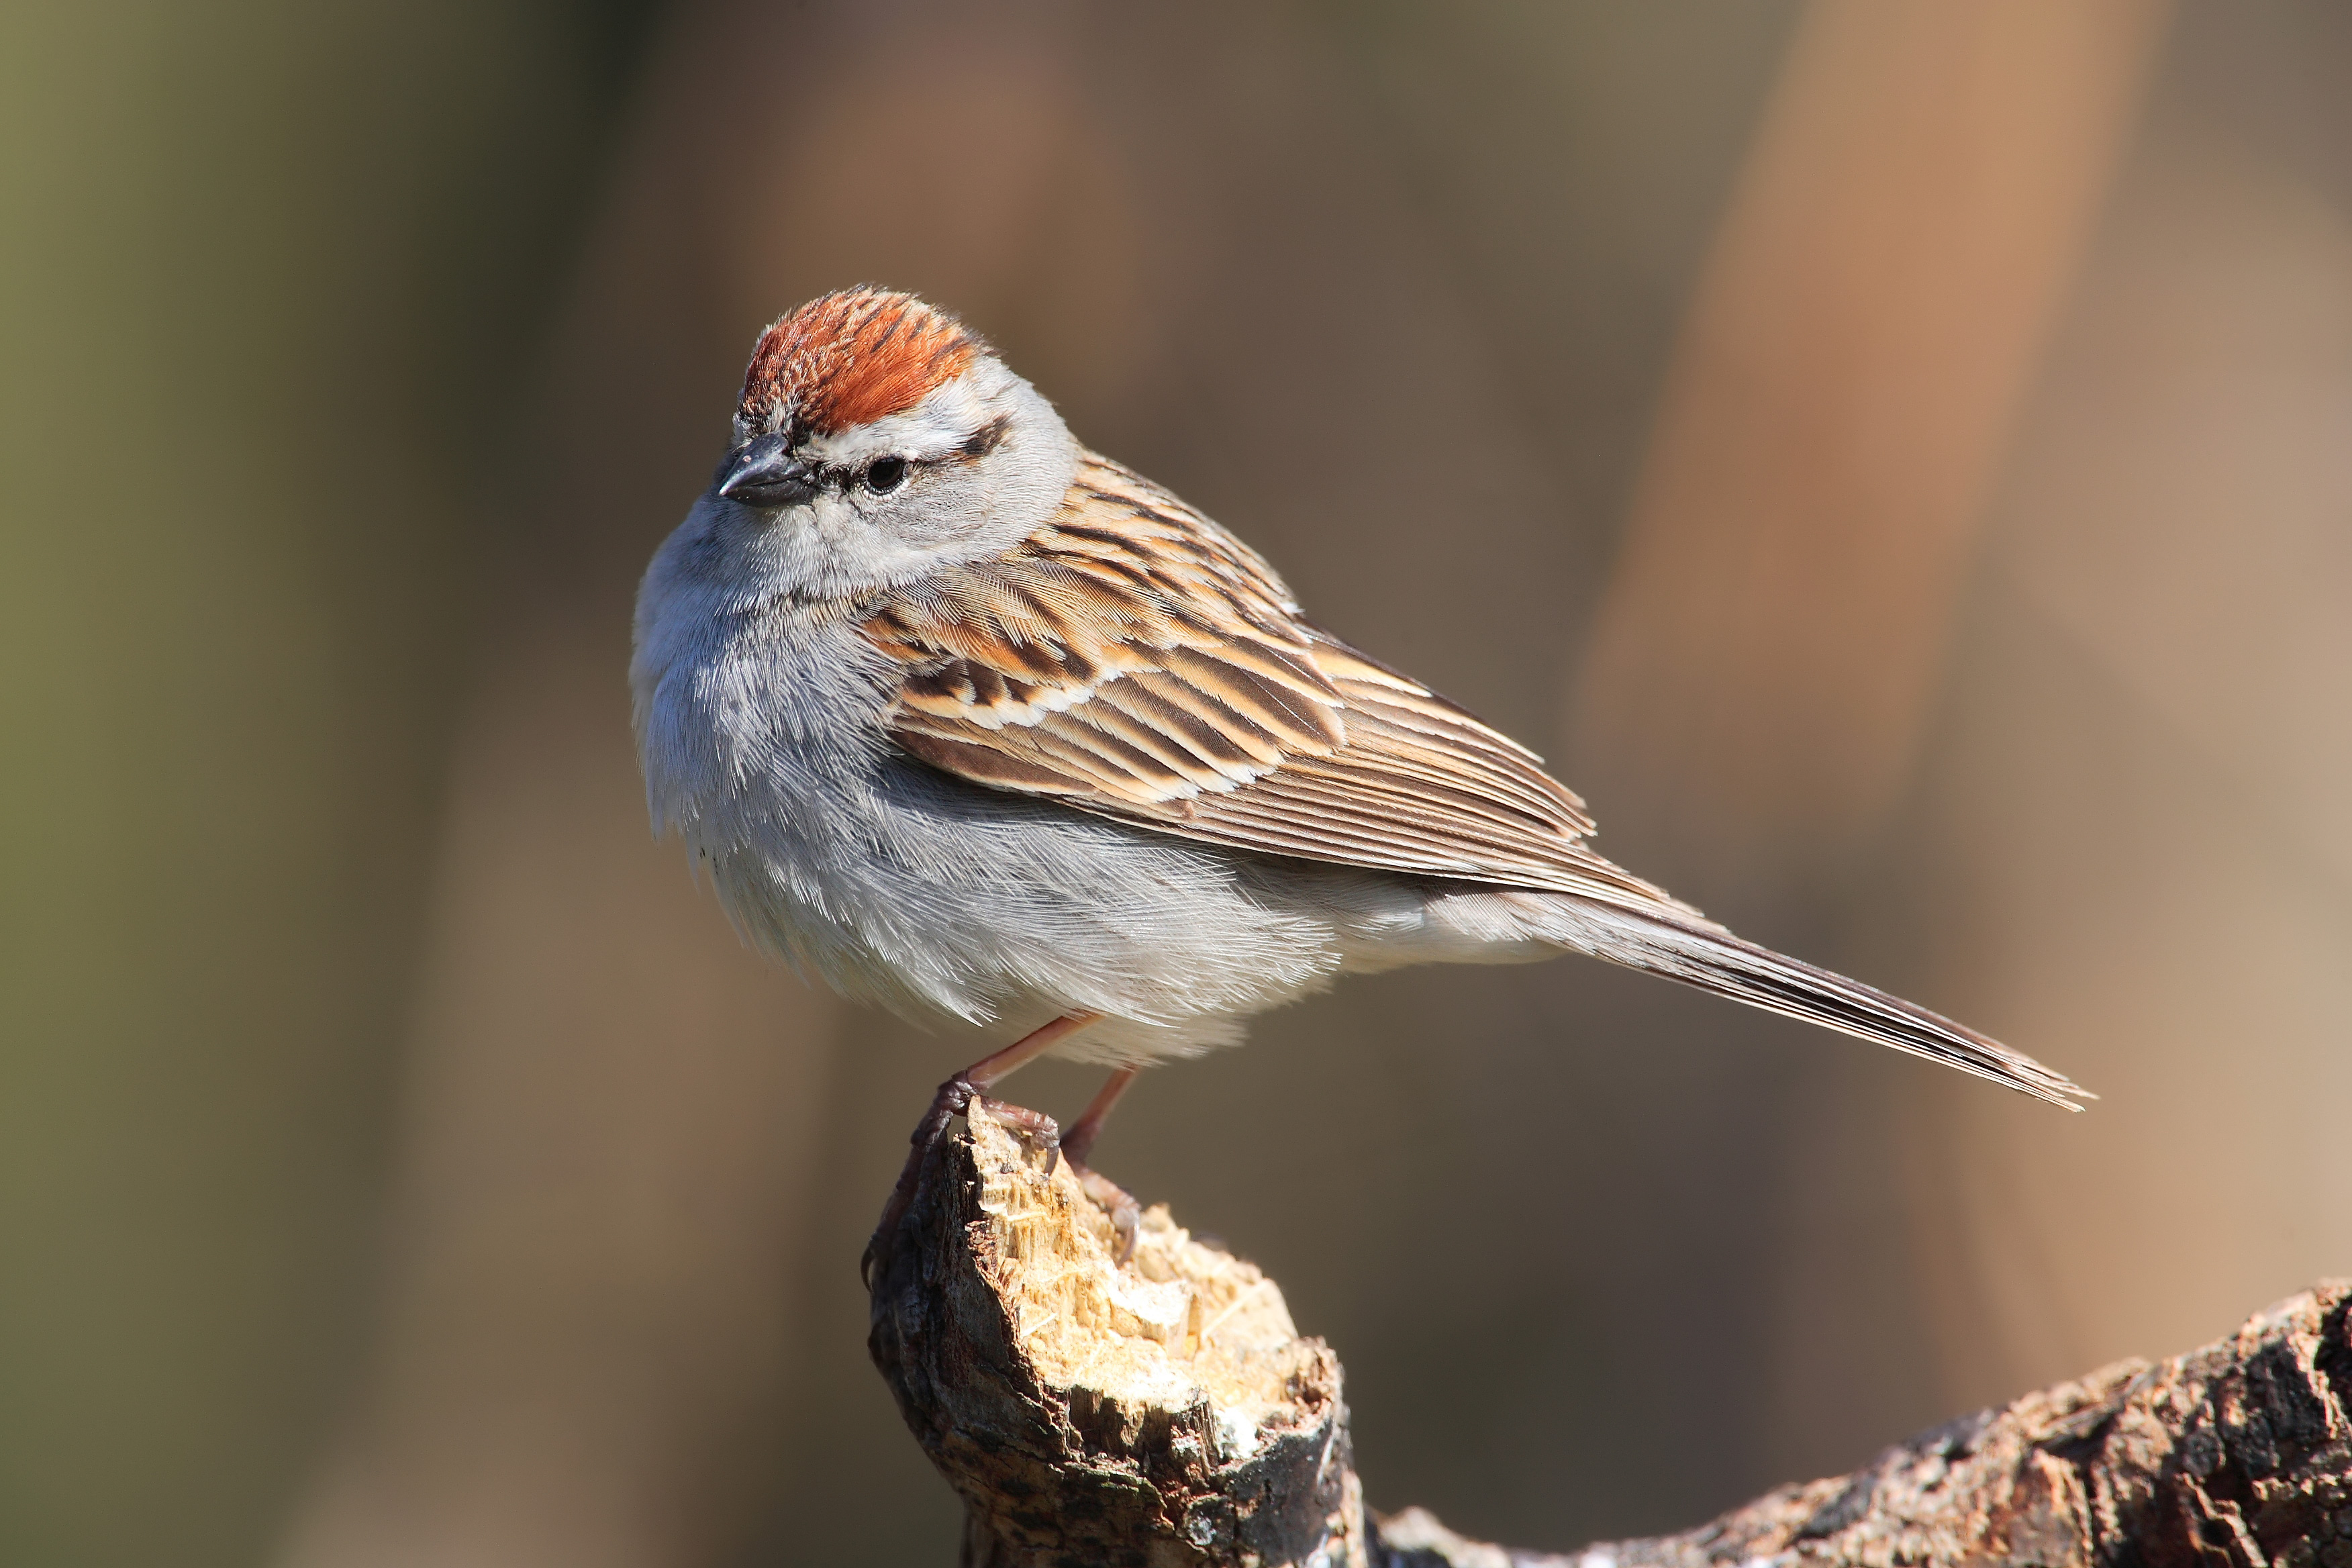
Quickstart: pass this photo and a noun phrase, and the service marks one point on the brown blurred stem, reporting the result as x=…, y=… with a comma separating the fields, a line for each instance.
x=1855, y=354
x=1165, y=1412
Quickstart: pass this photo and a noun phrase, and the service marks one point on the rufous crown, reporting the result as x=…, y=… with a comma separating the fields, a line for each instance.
x=849, y=358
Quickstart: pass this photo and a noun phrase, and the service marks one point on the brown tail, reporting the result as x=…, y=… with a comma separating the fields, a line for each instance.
x=1692, y=949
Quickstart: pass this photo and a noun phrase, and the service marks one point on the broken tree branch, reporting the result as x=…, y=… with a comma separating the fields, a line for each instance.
x=1165, y=1410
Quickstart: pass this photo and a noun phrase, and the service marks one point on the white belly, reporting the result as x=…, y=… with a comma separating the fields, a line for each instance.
x=939, y=899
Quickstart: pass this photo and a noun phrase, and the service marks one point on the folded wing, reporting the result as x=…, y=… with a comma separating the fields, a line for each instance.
x=1133, y=659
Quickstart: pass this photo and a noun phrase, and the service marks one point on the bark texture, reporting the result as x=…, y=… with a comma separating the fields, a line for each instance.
x=1164, y=1412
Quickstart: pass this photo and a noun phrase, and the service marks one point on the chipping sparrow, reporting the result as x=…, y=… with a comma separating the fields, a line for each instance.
x=978, y=724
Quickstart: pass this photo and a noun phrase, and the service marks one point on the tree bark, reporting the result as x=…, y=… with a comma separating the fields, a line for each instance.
x=1165, y=1412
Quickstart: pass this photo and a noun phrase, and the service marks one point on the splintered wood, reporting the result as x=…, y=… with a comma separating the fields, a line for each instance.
x=1164, y=1413
x=1161, y=1411
x=1183, y=1326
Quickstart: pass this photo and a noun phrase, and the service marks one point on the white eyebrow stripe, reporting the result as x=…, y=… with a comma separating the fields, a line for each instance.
x=934, y=429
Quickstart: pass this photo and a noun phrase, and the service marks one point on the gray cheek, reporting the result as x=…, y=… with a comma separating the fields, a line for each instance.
x=916, y=515
x=834, y=515
x=934, y=509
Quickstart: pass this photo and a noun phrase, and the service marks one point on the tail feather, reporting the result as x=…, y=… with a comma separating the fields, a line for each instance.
x=1689, y=948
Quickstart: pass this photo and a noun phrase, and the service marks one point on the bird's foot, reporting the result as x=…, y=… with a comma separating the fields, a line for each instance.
x=955, y=1098
x=1038, y=1132
x=1126, y=1213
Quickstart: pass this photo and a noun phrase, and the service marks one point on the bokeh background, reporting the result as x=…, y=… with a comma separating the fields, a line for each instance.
x=1893, y=456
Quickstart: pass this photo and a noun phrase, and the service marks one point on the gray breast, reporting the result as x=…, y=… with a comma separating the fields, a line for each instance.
x=933, y=896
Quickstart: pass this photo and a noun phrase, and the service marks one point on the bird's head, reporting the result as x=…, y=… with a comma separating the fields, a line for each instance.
x=877, y=439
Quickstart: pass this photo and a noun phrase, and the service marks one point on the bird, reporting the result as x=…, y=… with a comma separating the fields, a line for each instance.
x=975, y=723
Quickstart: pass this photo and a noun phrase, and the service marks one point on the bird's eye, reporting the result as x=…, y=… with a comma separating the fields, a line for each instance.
x=886, y=475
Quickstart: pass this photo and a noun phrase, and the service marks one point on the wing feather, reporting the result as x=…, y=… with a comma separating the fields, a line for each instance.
x=1133, y=658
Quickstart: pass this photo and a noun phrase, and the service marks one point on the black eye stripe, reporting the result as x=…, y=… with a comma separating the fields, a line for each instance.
x=849, y=476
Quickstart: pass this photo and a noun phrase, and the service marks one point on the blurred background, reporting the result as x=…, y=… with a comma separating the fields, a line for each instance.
x=1894, y=456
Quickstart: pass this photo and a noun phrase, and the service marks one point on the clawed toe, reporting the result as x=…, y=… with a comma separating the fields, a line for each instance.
x=1126, y=1213
x=1038, y=1132
x=954, y=1098
x=1041, y=1134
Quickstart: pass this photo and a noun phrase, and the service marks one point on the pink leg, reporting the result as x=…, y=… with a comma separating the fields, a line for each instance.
x=989, y=1071
x=954, y=1098
x=1115, y=1201
x=1080, y=1141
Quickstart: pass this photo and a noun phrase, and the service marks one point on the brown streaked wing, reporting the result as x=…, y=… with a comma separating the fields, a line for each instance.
x=1134, y=660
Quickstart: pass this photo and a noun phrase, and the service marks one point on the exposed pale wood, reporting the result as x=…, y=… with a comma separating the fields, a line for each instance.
x=1162, y=1411
x=1165, y=1412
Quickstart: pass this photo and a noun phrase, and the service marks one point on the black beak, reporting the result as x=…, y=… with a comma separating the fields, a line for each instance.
x=765, y=474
